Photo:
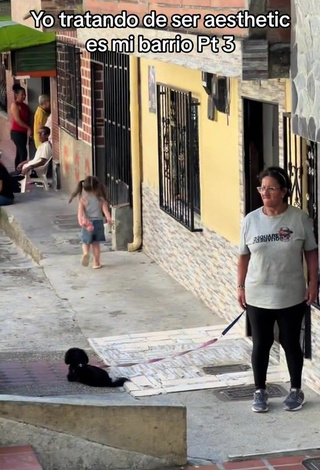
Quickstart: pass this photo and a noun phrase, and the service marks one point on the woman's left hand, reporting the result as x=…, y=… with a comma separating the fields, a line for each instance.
x=312, y=293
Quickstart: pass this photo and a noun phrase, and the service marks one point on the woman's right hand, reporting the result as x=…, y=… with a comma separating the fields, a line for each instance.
x=29, y=132
x=241, y=294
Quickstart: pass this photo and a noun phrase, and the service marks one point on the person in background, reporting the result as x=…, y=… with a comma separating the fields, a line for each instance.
x=271, y=281
x=43, y=153
x=20, y=126
x=6, y=187
x=40, y=117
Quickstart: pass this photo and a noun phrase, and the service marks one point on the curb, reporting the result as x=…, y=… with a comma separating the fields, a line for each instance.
x=15, y=232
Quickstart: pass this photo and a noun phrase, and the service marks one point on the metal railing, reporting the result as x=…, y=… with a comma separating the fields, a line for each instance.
x=293, y=149
x=116, y=122
x=299, y=154
x=178, y=155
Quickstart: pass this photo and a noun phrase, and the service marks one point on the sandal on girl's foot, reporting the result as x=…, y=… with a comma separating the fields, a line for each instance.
x=85, y=260
x=96, y=266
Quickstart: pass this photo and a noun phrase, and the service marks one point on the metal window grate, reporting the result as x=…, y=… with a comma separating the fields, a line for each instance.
x=293, y=161
x=178, y=154
x=69, y=87
x=246, y=392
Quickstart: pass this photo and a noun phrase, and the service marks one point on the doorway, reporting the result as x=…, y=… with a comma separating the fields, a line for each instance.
x=261, y=145
x=111, y=144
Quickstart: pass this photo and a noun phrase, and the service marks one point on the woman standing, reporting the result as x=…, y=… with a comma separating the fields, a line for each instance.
x=271, y=283
x=20, y=127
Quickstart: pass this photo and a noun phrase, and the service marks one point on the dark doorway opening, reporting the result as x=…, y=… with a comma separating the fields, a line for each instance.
x=261, y=145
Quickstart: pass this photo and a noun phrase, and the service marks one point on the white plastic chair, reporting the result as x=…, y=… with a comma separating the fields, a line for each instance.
x=42, y=177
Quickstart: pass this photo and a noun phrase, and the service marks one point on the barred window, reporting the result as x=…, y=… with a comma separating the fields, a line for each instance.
x=69, y=87
x=3, y=88
x=301, y=163
x=178, y=139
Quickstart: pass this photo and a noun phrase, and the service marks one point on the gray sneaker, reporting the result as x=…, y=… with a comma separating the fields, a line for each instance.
x=260, y=401
x=294, y=400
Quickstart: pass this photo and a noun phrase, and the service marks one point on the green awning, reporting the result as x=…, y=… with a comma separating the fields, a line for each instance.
x=16, y=36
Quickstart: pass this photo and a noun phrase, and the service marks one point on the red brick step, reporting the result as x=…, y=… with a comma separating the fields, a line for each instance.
x=18, y=458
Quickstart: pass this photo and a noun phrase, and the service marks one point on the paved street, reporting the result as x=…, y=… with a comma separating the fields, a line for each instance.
x=47, y=308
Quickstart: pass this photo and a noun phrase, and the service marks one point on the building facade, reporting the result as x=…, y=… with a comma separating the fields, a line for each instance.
x=180, y=138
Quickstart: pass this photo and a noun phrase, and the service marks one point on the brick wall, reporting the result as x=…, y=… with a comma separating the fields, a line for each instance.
x=84, y=129
x=99, y=105
x=279, y=35
x=76, y=155
x=85, y=132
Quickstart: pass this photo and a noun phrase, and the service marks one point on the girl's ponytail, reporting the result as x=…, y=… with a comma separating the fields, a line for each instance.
x=77, y=191
x=102, y=192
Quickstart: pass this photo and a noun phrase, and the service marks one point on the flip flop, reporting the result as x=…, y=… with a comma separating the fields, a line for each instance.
x=97, y=267
x=85, y=260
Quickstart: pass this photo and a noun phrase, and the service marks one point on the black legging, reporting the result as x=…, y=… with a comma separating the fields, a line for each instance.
x=20, y=141
x=262, y=323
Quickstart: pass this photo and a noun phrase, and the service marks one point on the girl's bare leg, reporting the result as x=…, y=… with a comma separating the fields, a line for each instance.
x=86, y=255
x=96, y=255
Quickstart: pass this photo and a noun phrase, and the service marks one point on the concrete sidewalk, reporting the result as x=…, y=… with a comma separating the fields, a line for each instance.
x=132, y=294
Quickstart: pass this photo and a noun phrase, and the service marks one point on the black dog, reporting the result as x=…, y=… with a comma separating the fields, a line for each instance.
x=81, y=371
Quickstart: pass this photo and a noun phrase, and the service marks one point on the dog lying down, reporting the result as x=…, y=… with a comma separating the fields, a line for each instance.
x=81, y=371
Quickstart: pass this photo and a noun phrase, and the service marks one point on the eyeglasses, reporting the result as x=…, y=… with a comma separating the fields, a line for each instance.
x=263, y=189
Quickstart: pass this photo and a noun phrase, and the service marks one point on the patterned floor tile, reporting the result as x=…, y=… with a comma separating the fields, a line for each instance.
x=137, y=357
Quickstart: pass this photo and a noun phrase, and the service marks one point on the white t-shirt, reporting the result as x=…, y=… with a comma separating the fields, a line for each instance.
x=275, y=277
x=43, y=151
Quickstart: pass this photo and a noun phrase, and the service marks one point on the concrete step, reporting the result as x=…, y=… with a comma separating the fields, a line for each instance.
x=69, y=434
x=18, y=458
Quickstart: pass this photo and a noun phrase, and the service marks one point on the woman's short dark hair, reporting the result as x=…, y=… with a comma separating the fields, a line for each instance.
x=16, y=88
x=281, y=176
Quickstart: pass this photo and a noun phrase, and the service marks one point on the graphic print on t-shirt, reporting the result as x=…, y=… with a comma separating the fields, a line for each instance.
x=284, y=235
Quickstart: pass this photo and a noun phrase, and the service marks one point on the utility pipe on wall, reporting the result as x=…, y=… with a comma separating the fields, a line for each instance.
x=135, y=119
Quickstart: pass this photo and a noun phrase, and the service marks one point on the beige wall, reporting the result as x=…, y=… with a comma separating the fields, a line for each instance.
x=19, y=9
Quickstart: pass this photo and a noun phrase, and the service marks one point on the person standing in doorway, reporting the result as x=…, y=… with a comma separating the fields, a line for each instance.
x=40, y=117
x=20, y=126
x=271, y=282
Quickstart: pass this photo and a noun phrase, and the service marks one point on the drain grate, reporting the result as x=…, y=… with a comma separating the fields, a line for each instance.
x=225, y=369
x=246, y=392
x=311, y=464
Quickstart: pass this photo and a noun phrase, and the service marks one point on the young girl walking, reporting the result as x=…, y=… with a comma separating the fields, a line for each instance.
x=93, y=205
